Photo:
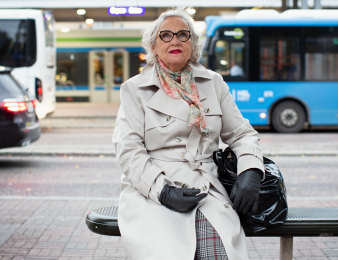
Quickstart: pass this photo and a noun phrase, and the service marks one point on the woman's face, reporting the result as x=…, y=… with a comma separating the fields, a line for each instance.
x=174, y=54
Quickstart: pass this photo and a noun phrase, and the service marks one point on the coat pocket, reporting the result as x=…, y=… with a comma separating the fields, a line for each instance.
x=159, y=121
x=213, y=115
x=157, y=131
x=214, y=124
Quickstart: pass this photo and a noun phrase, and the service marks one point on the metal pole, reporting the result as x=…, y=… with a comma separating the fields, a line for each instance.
x=295, y=4
x=304, y=4
x=317, y=4
x=285, y=5
x=286, y=248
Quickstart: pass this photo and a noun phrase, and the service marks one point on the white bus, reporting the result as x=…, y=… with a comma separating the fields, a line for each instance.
x=27, y=44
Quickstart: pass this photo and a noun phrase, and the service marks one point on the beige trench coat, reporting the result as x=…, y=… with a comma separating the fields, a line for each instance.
x=154, y=146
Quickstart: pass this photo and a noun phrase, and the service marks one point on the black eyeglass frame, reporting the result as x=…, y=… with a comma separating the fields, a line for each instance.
x=159, y=35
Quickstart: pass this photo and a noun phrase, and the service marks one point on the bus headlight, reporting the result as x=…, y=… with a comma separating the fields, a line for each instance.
x=262, y=115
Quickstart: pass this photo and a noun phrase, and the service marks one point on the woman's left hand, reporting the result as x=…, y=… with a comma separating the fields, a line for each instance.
x=246, y=191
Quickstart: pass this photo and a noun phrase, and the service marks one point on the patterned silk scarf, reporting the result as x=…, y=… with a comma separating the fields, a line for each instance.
x=182, y=85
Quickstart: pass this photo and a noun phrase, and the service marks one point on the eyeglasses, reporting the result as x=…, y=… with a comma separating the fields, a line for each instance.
x=167, y=36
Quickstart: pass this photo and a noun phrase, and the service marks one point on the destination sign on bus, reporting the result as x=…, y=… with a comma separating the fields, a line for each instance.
x=126, y=10
x=237, y=33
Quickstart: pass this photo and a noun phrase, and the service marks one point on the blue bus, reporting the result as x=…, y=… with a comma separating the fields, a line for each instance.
x=282, y=69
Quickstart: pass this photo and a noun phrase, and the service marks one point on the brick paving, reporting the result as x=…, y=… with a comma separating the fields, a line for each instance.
x=55, y=229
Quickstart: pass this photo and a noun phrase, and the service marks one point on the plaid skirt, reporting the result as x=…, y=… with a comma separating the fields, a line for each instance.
x=209, y=243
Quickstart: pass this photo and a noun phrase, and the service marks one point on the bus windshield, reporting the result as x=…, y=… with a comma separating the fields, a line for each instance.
x=230, y=58
x=17, y=43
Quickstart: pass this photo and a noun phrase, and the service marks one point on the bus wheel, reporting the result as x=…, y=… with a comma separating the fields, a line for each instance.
x=288, y=117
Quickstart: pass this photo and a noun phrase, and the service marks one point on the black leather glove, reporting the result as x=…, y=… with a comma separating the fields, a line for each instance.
x=246, y=191
x=180, y=199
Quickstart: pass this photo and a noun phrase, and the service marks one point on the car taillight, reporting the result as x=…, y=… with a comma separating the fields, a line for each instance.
x=38, y=89
x=34, y=103
x=15, y=106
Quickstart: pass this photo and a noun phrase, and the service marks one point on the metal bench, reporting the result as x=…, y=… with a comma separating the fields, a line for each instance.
x=301, y=222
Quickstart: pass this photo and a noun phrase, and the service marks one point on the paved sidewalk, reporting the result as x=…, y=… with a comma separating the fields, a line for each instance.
x=54, y=228
x=81, y=116
x=78, y=123
x=85, y=110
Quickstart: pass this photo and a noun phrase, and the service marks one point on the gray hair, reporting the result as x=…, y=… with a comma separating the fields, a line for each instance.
x=150, y=34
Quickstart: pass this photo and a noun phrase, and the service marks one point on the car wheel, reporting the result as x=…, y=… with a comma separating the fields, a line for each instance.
x=288, y=117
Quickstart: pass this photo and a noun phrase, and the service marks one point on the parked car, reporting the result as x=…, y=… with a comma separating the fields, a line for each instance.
x=19, y=125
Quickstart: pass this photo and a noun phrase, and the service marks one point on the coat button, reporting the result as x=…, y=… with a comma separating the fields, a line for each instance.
x=178, y=139
x=206, y=110
x=183, y=186
x=226, y=204
x=168, y=118
x=205, y=134
x=204, y=188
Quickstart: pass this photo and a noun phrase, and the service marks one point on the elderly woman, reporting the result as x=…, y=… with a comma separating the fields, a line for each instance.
x=172, y=115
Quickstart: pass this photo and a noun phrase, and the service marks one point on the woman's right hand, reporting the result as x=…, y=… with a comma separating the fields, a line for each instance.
x=180, y=199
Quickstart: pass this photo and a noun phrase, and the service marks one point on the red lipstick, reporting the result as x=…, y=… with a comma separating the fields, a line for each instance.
x=176, y=51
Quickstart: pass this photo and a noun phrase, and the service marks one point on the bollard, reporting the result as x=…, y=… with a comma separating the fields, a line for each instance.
x=286, y=248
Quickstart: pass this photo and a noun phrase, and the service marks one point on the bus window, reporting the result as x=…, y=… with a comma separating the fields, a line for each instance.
x=99, y=69
x=142, y=61
x=118, y=68
x=230, y=58
x=72, y=69
x=137, y=61
x=17, y=43
x=279, y=58
x=321, y=53
x=49, y=29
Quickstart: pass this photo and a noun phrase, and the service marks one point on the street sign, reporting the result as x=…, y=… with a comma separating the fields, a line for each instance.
x=126, y=10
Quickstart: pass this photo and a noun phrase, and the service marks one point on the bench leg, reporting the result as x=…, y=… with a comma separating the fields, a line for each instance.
x=286, y=248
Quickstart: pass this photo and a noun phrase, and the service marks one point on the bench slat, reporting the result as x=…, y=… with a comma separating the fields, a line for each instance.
x=300, y=222
x=312, y=214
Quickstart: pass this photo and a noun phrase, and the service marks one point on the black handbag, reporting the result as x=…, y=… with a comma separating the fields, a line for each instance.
x=272, y=208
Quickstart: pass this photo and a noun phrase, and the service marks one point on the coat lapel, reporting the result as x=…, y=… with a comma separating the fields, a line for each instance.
x=167, y=105
x=210, y=101
x=204, y=83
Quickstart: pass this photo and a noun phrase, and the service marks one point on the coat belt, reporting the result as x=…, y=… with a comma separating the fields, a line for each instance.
x=190, y=156
x=195, y=161
x=171, y=156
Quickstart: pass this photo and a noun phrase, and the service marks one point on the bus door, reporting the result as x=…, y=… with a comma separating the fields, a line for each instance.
x=107, y=71
x=98, y=76
x=119, y=73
